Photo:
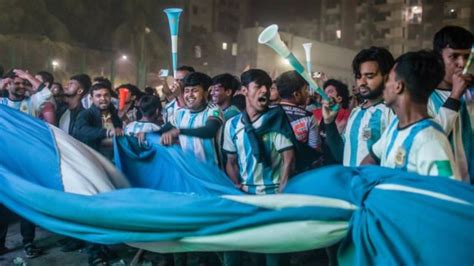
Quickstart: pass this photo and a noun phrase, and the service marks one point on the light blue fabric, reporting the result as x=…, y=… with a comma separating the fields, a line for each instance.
x=400, y=218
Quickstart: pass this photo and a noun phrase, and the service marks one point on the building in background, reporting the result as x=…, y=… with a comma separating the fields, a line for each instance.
x=398, y=25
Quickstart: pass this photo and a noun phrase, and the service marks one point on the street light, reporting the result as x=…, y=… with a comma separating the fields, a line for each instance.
x=55, y=64
x=124, y=57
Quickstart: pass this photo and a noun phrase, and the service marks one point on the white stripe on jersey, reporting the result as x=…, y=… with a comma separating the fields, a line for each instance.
x=255, y=178
x=364, y=128
x=204, y=149
x=136, y=127
x=421, y=148
x=451, y=122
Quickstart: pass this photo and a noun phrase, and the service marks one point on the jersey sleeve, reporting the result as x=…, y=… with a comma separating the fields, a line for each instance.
x=435, y=157
x=228, y=143
x=445, y=117
x=281, y=142
x=40, y=98
x=215, y=112
x=380, y=146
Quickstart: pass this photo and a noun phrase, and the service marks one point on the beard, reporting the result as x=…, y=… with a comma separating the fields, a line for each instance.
x=373, y=93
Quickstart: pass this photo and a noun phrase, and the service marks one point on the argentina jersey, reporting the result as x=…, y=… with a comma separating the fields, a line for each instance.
x=204, y=149
x=170, y=110
x=457, y=126
x=420, y=148
x=136, y=127
x=255, y=177
x=364, y=128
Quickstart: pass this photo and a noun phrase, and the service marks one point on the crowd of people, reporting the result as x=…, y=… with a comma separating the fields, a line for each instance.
x=408, y=113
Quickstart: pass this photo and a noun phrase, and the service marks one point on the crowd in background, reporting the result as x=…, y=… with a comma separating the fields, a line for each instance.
x=409, y=113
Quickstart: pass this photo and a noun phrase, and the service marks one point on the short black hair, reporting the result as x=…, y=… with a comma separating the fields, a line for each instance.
x=58, y=84
x=452, y=37
x=84, y=80
x=378, y=54
x=103, y=80
x=421, y=72
x=46, y=76
x=149, y=104
x=256, y=75
x=190, y=69
x=134, y=90
x=99, y=86
x=197, y=78
x=150, y=91
x=228, y=81
x=10, y=74
x=288, y=83
x=342, y=91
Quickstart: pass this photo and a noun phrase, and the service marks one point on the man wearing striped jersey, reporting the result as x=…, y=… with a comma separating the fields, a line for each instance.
x=197, y=126
x=223, y=88
x=177, y=91
x=39, y=103
x=150, y=108
x=368, y=121
x=259, y=165
x=414, y=142
x=447, y=103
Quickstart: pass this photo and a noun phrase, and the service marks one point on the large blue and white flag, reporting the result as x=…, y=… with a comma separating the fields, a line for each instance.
x=167, y=201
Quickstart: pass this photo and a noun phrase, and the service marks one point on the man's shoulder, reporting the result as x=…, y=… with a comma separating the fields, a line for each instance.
x=170, y=104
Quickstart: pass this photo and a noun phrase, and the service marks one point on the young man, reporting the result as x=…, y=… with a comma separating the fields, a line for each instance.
x=414, y=142
x=223, y=88
x=177, y=90
x=293, y=91
x=17, y=99
x=197, y=125
x=130, y=111
x=40, y=101
x=98, y=124
x=338, y=91
x=77, y=87
x=258, y=162
x=260, y=159
x=447, y=104
x=150, y=108
x=368, y=121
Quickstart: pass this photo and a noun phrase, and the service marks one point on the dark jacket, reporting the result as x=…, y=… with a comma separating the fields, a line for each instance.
x=74, y=115
x=89, y=128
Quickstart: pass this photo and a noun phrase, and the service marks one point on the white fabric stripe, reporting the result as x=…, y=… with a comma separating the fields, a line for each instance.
x=291, y=237
x=83, y=170
x=424, y=192
x=174, y=43
x=279, y=201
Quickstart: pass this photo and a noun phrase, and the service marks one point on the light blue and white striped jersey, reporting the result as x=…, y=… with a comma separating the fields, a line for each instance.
x=457, y=127
x=136, y=127
x=170, y=110
x=204, y=149
x=30, y=105
x=364, y=128
x=421, y=148
x=254, y=176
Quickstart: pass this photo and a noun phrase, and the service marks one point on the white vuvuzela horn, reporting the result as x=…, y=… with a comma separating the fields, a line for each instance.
x=270, y=37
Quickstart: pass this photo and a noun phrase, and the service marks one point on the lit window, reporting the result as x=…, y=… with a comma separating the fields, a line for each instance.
x=224, y=46
x=338, y=34
x=197, y=51
x=234, y=49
